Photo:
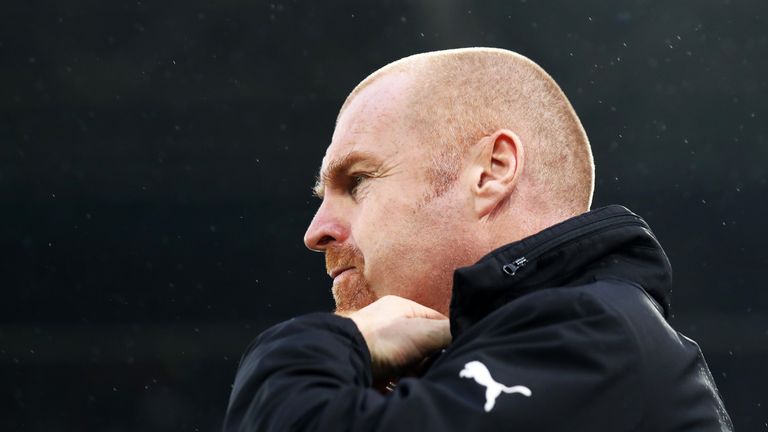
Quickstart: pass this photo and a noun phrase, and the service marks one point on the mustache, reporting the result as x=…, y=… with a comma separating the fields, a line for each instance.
x=343, y=255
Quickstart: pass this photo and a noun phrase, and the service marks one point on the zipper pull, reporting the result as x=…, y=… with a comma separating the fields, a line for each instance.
x=514, y=266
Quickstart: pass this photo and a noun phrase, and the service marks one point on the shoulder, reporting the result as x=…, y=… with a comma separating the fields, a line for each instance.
x=569, y=346
x=605, y=307
x=582, y=329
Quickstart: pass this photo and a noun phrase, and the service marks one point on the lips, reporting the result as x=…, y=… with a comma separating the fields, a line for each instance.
x=339, y=271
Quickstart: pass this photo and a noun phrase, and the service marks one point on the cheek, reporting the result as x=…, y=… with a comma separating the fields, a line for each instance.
x=404, y=243
x=397, y=243
x=384, y=231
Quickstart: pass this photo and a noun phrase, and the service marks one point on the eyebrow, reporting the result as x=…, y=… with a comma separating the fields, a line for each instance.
x=337, y=167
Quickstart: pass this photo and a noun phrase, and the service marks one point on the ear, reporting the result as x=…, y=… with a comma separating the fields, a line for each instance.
x=496, y=170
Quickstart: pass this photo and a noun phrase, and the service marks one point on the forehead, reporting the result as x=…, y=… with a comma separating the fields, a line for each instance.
x=373, y=121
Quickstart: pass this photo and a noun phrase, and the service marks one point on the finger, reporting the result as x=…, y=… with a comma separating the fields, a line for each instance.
x=435, y=333
x=413, y=309
x=419, y=311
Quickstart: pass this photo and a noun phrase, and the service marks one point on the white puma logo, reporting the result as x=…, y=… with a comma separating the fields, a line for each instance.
x=493, y=389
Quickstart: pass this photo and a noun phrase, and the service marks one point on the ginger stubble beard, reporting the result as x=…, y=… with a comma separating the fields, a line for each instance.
x=354, y=292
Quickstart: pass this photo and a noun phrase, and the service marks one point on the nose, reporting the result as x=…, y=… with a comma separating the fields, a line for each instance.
x=325, y=229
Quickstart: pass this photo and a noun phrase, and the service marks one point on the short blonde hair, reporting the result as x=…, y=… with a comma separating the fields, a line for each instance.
x=458, y=96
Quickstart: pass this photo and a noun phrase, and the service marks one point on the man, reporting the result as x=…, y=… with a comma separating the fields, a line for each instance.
x=474, y=288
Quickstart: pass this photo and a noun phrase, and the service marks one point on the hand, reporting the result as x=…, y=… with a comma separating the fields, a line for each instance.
x=400, y=334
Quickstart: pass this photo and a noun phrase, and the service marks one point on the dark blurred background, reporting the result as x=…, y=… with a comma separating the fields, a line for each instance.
x=156, y=161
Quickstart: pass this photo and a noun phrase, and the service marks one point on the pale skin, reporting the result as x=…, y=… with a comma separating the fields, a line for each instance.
x=374, y=201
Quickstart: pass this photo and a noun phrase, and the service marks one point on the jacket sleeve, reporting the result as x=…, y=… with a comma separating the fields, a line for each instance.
x=313, y=373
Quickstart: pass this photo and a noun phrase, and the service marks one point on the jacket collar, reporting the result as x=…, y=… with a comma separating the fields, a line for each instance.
x=607, y=242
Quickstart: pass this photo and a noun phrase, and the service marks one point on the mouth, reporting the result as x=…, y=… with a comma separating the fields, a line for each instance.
x=335, y=272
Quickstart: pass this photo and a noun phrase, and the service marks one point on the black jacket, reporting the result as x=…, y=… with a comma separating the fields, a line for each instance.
x=564, y=331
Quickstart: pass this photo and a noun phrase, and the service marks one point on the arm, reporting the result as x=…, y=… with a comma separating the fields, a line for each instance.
x=321, y=364
x=315, y=373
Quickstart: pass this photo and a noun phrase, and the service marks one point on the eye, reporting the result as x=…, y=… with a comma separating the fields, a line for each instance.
x=355, y=181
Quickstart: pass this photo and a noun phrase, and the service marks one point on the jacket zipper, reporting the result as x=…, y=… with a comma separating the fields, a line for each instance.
x=615, y=220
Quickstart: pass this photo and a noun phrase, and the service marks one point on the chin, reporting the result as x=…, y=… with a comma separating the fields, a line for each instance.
x=350, y=297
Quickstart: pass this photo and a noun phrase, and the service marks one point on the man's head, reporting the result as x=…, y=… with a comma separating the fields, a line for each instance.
x=436, y=160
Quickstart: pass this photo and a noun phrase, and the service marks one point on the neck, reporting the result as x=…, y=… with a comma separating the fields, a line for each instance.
x=516, y=224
